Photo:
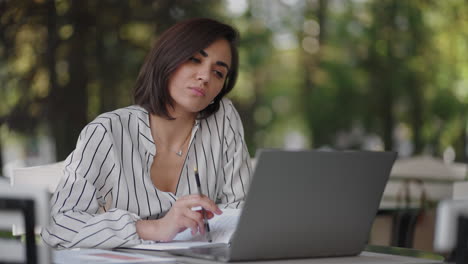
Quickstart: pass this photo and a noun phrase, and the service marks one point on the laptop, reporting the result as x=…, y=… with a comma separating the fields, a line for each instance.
x=304, y=204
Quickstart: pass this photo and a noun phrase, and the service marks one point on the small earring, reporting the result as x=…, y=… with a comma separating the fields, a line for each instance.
x=212, y=102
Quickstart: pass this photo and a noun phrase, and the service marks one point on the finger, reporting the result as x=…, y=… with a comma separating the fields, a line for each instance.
x=198, y=218
x=203, y=201
x=195, y=202
x=192, y=225
x=209, y=214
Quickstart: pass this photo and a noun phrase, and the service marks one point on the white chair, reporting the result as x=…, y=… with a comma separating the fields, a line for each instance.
x=451, y=229
x=33, y=184
x=46, y=176
x=29, y=207
x=460, y=190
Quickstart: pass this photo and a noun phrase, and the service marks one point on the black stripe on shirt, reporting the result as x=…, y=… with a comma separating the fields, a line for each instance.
x=144, y=122
x=50, y=234
x=79, y=197
x=107, y=220
x=187, y=173
x=96, y=233
x=94, y=155
x=108, y=118
x=105, y=240
x=91, y=200
x=233, y=157
x=146, y=190
x=66, y=168
x=151, y=141
x=206, y=166
x=136, y=109
x=108, y=193
x=78, y=220
x=84, y=149
x=215, y=170
x=105, y=180
x=67, y=228
x=133, y=167
x=121, y=163
x=154, y=188
x=100, y=168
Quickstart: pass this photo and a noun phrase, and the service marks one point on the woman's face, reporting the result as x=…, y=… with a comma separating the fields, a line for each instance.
x=195, y=83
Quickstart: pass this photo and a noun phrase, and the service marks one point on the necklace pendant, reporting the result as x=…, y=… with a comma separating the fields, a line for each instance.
x=179, y=153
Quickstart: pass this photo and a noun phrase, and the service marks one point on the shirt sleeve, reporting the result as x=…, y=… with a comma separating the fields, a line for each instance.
x=85, y=188
x=236, y=160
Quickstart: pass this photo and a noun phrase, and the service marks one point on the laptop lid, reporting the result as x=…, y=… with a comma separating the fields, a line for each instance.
x=309, y=204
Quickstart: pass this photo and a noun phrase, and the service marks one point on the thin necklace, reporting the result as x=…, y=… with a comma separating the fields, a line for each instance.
x=179, y=152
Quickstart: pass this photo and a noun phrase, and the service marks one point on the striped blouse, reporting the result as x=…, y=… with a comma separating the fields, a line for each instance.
x=106, y=186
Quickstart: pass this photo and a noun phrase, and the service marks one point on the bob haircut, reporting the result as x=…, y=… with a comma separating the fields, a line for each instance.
x=174, y=47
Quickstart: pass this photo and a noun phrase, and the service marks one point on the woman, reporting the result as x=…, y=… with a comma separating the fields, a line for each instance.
x=131, y=176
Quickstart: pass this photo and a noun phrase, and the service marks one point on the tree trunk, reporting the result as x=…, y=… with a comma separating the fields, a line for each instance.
x=310, y=63
x=383, y=69
x=50, y=62
x=69, y=103
x=416, y=114
x=387, y=102
x=460, y=147
x=109, y=94
x=1, y=158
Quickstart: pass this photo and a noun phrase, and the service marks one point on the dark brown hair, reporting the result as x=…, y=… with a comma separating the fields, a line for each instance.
x=174, y=47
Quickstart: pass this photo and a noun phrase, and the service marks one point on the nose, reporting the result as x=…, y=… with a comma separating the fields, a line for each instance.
x=203, y=74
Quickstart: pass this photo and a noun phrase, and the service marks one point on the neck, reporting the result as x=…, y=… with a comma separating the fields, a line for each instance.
x=171, y=132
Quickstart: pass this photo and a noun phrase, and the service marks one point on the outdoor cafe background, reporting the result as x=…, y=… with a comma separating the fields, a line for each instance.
x=355, y=74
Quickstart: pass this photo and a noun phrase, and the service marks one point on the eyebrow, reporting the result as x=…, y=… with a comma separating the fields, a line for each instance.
x=220, y=63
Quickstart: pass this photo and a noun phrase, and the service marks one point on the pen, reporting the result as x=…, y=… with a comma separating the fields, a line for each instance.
x=205, y=221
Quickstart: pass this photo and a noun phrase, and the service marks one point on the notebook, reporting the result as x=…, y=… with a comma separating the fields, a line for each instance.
x=304, y=204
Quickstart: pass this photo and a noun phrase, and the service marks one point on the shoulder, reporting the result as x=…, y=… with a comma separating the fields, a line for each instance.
x=227, y=110
x=226, y=117
x=118, y=114
x=120, y=117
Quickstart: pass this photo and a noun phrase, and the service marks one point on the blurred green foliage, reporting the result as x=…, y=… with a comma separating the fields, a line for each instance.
x=355, y=74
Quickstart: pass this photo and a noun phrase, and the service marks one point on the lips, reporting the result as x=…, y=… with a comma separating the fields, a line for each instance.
x=198, y=91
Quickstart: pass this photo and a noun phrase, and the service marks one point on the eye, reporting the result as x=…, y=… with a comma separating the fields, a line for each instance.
x=194, y=59
x=219, y=74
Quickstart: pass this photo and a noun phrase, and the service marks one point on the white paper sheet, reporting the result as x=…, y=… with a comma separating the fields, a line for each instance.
x=222, y=227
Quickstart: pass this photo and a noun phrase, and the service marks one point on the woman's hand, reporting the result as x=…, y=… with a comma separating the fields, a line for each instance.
x=180, y=217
